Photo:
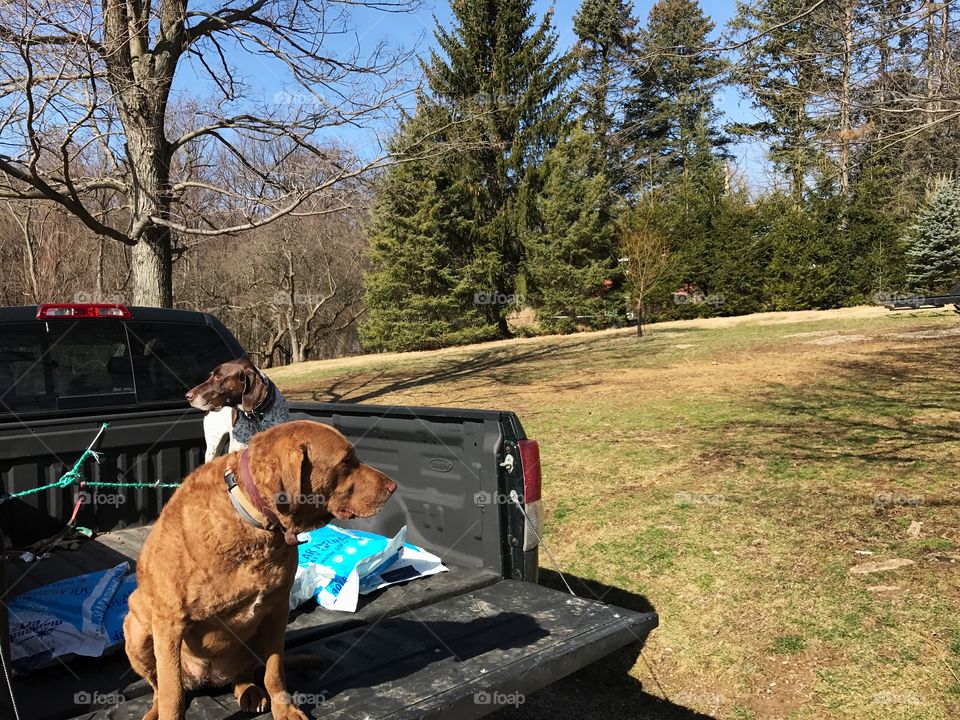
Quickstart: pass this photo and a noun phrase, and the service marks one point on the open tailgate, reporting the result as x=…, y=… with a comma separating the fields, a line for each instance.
x=462, y=657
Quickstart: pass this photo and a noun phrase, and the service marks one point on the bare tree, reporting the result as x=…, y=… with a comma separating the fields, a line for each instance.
x=89, y=84
x=646, y=257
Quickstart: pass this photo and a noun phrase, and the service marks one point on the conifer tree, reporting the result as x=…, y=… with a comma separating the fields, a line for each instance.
x=571, y=264
x=933, y=255
x=675, y=78
x=498, y=71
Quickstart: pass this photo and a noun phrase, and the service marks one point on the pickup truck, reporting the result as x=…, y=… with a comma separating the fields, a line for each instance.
x=460, y=644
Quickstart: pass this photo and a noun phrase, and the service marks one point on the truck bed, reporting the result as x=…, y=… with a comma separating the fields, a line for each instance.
x=420, y=650
x=429, y=647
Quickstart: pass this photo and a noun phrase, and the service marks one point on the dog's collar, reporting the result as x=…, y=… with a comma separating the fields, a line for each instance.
x=258, y=413
x=249, y=490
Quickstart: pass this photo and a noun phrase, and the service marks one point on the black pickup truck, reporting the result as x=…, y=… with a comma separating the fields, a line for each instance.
x=459, y=644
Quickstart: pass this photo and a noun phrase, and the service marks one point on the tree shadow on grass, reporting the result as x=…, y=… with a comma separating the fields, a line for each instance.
x=507, y=366
x=865, y=409
x=607, y=689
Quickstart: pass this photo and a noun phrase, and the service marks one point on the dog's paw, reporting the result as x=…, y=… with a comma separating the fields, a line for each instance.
x=253, y=699
x=288, y=712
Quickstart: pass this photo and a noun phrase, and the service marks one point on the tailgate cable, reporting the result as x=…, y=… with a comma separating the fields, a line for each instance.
x=9, y=683
x=516, y=501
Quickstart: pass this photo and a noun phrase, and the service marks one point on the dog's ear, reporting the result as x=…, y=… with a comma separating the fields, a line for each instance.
x=293, y=468
x=252, y=391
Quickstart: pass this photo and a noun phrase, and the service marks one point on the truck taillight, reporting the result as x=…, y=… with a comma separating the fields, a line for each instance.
x=78, y=311
x=532, y=481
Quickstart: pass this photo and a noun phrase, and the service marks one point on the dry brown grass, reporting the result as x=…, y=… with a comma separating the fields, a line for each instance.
x=725, y=472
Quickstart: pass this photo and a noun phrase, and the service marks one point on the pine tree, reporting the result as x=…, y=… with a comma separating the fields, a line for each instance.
x=779, y=67
x=418, y=295
x=675, y=79
x=933, y=256
x=605, y=39
x=498, y=70
x=571, y=263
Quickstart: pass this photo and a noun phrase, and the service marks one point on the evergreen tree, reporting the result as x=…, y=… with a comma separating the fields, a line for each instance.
x=498, y=71
x=571, y=263
x=605, y=39
x=418, y=295
x=675, y=79
x=934, y=251
x=779, y=67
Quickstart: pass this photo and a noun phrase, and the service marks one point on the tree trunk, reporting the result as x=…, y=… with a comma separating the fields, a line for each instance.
x=149, y=155
x=153, y=269
x=845, y=98
x=639, y=319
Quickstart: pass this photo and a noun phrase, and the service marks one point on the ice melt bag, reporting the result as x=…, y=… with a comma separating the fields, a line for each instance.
x=63, y=618
x=337, y=565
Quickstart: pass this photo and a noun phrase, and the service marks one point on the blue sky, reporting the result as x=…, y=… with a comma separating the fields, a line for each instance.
x=411, y=30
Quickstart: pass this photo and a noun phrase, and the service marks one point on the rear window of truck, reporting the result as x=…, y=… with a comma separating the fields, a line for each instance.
x=75, y=364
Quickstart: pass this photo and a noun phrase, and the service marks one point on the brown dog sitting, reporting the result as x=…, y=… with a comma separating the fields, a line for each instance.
x=214, y=575
x=240, y=401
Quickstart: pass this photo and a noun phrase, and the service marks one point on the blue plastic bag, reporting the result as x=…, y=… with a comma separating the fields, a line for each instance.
x=64, y=618
x=337, y=565
x=333, y=560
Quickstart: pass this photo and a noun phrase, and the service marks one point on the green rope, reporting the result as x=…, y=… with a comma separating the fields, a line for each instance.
x=75, y=474
x=132, y=484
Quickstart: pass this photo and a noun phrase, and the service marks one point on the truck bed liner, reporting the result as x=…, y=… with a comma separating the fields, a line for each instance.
x=460, y=658
x=54, y=688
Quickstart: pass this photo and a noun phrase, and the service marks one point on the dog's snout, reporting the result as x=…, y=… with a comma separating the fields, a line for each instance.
x=190, y=394
x=391, y=486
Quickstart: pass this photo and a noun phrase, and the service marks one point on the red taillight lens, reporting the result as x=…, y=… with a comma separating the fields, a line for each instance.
x=82, y=311
x=532, y=478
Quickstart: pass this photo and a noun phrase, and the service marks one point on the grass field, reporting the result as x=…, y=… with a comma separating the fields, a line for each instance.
x=729, y=473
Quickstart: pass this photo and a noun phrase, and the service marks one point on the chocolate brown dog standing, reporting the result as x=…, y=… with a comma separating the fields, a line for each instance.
x=214, y=578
